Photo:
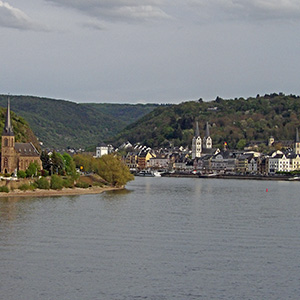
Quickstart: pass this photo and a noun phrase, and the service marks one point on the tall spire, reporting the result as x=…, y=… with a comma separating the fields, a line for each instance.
x=207, y=130
x=197, y=132
x=8, y=130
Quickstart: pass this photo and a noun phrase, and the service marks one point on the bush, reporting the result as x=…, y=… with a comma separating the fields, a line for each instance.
x=21, y=174
x=43, y=183
x=68, y=182
x=44, y=173
x=56, y=182
x=82, y=185
x=4, y=189
x=26, y=187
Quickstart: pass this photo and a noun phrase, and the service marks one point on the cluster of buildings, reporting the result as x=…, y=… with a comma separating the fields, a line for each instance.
x=203, y=158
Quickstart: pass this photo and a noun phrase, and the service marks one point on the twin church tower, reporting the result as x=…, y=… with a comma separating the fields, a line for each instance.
x=16, y=156
x=200, y=146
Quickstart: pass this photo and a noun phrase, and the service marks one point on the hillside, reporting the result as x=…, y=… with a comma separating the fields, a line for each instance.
x=62, y=124
x=21, y=128
x=235, y=121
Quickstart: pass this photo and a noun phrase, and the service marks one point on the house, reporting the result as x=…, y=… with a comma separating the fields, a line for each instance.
x=143, y=159
x=16, y=156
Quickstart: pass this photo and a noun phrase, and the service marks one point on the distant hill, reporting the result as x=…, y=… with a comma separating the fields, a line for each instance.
x=22, y=131
x=235, y=121
x=62, y=124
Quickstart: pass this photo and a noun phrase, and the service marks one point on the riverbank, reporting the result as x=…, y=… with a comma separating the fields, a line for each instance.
x=62, y=192
x=229, y=176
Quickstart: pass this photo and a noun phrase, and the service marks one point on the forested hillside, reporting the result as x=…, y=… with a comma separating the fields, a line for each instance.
x=62, y=124
x=235, y=121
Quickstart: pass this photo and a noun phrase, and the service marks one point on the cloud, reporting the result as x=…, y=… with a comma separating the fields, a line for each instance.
x=12, y=17
x=117, y=10
x=248, y=9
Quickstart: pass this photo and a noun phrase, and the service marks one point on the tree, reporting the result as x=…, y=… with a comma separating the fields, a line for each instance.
x=241, y=144
x=70, y=166
x=113, y=170
x=58, y=164
x=56, y=182
x=46, y=162
x=32, y=169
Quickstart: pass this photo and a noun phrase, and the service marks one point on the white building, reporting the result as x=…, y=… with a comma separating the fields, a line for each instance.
x=103, y=149
x=196, y=143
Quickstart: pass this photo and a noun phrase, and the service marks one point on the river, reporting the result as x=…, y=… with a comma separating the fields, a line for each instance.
x=162, y=238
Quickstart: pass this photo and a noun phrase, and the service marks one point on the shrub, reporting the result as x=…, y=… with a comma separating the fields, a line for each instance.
x=26, y=187
x=56, y=182
x=4, y=189
x=43, y=183
x=82, y=185
x=21, y=174
x=44, y=173
x=68, y=182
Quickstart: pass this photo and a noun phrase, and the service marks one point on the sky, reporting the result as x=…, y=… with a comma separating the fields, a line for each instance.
x=149, y=51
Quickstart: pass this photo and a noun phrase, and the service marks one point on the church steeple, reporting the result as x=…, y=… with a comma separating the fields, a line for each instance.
x=207, y=130
x=207, y=141
x=8, y=130
x=196, y=143
x=297, y=143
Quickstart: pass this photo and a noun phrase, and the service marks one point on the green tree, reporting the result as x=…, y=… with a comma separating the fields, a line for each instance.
x=32, y=169
x=70, y=166
x=58, y=164
x=113, y=170
x=56, y=182
x=46, y=162
x=241, y=144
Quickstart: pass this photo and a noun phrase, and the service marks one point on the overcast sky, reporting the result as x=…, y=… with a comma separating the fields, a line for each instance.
x=130, y=51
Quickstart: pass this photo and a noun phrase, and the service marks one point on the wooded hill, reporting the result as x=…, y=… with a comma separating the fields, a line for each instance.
x=235, y=121
x=61, y=124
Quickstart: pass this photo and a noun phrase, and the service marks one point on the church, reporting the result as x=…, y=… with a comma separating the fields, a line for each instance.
x=16, y=156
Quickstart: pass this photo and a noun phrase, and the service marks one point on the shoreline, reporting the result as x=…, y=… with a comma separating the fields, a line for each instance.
x=240, y=177
x=63, y=192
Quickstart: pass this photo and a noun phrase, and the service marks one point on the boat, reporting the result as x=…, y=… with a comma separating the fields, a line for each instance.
x=145, y=173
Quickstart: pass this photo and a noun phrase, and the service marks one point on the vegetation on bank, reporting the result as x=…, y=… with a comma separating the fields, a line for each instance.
x=234, y=121
x=109, y=167
x=60, y=172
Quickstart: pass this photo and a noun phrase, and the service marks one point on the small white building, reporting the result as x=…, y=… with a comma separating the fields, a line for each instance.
x=103, y=149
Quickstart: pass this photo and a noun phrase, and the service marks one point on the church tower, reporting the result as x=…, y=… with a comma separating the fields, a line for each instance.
x=297, y=143
x=207, y=141
x=8, y=156
x=196, y=143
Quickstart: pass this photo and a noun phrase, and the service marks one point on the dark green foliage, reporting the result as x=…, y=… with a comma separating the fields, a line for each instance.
x=68, y=182
x=26, y=187
x=232, y=121
x=46, y=162
x=43, y=183
x=21, y=174
x=56, y=182
x=62, y=124
x=4, y=189
x=83, y=185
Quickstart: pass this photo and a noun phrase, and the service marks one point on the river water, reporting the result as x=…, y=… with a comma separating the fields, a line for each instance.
x=162, y=238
